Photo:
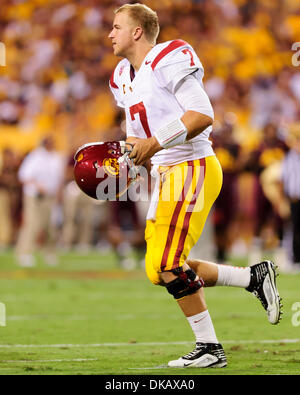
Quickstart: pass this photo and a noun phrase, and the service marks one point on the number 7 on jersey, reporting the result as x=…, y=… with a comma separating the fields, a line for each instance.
x=189, y=52
x=140, y=109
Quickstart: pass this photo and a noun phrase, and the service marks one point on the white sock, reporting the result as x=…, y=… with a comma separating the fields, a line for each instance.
x=203, y=327
x=233, y=276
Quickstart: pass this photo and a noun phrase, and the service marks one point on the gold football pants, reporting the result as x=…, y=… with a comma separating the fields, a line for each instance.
x=187, y=193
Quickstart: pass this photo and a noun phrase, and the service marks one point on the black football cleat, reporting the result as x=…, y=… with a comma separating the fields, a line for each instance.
x=263, y=286
x=205, y=355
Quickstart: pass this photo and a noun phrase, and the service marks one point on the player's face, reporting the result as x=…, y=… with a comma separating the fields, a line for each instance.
x=122, y=34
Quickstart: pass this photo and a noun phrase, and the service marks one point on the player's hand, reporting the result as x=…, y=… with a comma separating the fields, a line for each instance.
x=132, y=140
x=144, y=149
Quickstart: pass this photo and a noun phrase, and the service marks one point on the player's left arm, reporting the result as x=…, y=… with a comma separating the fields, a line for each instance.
x=144, y=149
x=199, y=114
x=197, y=117
x=195, y=123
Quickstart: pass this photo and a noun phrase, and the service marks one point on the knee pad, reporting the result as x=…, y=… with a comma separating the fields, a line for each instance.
x=185, y=284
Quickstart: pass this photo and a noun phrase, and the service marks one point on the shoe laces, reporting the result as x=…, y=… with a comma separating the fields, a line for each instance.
x=193, y=353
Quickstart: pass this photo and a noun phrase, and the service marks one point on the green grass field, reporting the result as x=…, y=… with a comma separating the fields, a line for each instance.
x=86, y=316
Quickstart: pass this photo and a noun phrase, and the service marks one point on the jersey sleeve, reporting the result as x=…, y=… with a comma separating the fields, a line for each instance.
x=172, y=65
x=114, y=87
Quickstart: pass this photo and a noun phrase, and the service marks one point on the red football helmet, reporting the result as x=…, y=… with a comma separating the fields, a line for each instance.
x=103, y=171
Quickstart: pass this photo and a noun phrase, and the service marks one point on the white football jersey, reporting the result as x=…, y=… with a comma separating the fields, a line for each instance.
x=149, y=101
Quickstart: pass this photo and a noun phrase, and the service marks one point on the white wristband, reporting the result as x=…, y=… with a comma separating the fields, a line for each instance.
x=172, y=134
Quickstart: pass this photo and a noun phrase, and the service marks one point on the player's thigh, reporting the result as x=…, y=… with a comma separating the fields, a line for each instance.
x=208, y=194
x=187, y=194
x=205, y=187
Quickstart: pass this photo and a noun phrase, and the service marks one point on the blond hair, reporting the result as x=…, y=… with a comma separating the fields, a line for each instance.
x=145, y=17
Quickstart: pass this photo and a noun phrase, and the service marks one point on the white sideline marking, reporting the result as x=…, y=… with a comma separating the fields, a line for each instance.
x=151, y=368
x=270, y=341
x=50, y=360
x=69, y=318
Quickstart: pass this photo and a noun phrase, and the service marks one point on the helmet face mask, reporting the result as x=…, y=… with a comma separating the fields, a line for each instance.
x=103, y=171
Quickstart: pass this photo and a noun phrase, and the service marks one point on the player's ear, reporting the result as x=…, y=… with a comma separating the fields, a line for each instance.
x=137, y=33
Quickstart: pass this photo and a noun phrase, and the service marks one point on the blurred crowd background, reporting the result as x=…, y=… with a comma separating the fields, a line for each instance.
x=54, y=97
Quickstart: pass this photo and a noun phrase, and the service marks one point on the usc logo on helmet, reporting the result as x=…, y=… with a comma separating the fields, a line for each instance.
x=80, y=157
x=111, y=166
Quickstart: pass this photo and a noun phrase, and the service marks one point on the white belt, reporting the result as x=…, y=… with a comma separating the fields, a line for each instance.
x=151, y=215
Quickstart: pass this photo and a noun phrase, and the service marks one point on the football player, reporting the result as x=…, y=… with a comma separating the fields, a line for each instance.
x=169, y=119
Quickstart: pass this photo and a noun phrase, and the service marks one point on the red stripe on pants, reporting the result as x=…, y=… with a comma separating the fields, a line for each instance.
x=188, y=214
x=175, y=215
